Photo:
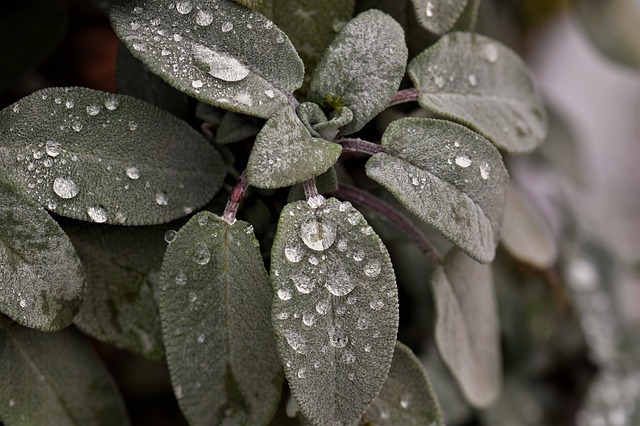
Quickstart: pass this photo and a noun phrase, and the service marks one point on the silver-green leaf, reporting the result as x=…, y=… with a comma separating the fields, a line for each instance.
x=41, y=277
x=449, y=176
x=220, y=53
x=439, y=16
x=54, y=378
x=101, y=157
x=214, y=305
x=467, y=326
x=483, y=84
x=122, y=266
x=236, y=127
x=362, y=68
x=335, y=308
x=407, y=397
x=285, y=153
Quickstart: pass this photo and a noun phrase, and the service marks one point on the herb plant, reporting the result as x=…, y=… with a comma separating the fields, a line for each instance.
x=299, y=94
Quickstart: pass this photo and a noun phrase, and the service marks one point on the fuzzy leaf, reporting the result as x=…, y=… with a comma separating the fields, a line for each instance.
x=223, y=54
x=41, y=277
x=483, y=84
x=335, y=309
x=285, y=153
x=122, y=266
x=214, y=305
x=407, y=397
x=236, y=127
x=362, y=68
x=54, y=379
x=467, y=326
x=447, y=175
x=439, y=16
x=108, y=158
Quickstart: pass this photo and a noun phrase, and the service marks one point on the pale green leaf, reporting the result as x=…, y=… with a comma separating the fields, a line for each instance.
x=54, y=378
x=41, y=277
x=101, y=157
x=316, y=121
x=133, y=78
x=525, y=233
x=362, y=68
x=335, y=309
x=236, y=127
x=447, y=175
x=407, y=397
x=122, y=267
x=214, y=305
x=285, y=153
x=439, y=16
x=220, y=53
x=467, y=326
x=483, y=84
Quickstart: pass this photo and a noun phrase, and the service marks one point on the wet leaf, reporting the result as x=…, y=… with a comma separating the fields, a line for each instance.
x=122, y=266
x=407, y=397
x=335, y=309
x=222, y=54
x=483, y=84
x=101, y=157
x=214, y=305
x=362, y=68
x=439, y=16
x=236, y=127
x=41, y=277
x=467, y=326
x=447, y=175
x=54, y=378
x=285, y=153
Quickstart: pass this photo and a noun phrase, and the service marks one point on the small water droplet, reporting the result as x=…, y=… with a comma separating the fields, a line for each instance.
x=181, y=279
x=218, y=65
x=169, y=236
x=337, y=337
x=316, y=201
x=439, y=81
x=283, y=316
x=372, y=269
x=202, y=255
x=367, y=348
x=97, y=214
x=489, y=52
x=268, y=24
x=296, y=341
x=16, y=108
x=367, y=230
x=135, y=25
x=23, y=303
x=303, y=283
x=485, y=168
x=200, y=338
x=48, y=162
x=473, y=80
x=226, y=27
x=162, y=199
x=65, y=187
x=404, y=401
x=363, y=323
x=339, y=282
x=430, y=8
x=140, y=47
x=133, y=125
x=376, y=304
x=279, y=39
x=463, y=161
x=11, y=403
x=138, y=10
x=308, y=319
x=284, y=294
x=353, y=218
x=192, y=297
x=293, y=252
x=52, y=148
x=197, y=84
x=322, y=307
x=132, y=172
x=111, y=103
x=317, y=234
x=184, y=7
x=77, y=126
x=93, y=109
x=352, y=299
x=348, y=357
x=204, y=18
x=358, y=256
x=302, y=373
x=342, y=245
x=269, y=93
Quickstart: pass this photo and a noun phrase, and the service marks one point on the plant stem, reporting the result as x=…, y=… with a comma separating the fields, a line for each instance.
x=359, y=196
x=293, y=101
x=406, y=95
x=237, y=193
x=360, y=145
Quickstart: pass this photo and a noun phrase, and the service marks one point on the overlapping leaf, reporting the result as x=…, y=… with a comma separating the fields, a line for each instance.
x=335, y=309
x=54, y=379
x=447, y=175
x=467, y=326
x=214, y=305
x=407, y=397
x=439, y=16
x=108, y=158
x=41, y=277
x=362, y=68
x=484, y=84
x=122, y=266
x=236, y=127
x=285, y=153
x=223, y=54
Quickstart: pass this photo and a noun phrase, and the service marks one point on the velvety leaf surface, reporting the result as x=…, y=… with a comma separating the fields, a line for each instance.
x=220, y=53
x=335, y=309
x=362, y=68
x=41, y=277
x=122, y=266
x=101, y=157
x=467, y=326
x=54, y=378
x=285, y=153
x=439, y=16
x=133, y=78
x=447, y=175
x=484, y=84
x=525, y=233
x=407, y=397
x=236, y=127
x=214, y=305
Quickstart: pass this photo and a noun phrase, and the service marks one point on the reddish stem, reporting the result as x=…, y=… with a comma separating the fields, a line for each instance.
x=237, y=193
x=360, y=146
x=406, y=95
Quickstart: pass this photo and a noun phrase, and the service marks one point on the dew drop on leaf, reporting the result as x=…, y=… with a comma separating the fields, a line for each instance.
x=161, y=198
x=202, y=255
x=77, y=126
x=337, y=337
x=376, y=304
x=323, y=306
x=218, y=64
x=318, y=235
x=111, y=103
x=65, y=187
x=204, y=18
x=473, y=80
x=93, y=110
x=296, y=341
x=429, y=10
x=308, y=319
x=463, y=161
x=184, y=7
x=226, y=27
x=348, y=357
x=132, y=172
x=372, y=269
x=489, y=52
x=133, y=125
x=169, y=236
x=485, y=168
x=284, y=294
x=303, y=283
x=340, y=283
x=181, y=279
x=97, y=214
x=52, y=148
x=293, y=253
x=197, y=84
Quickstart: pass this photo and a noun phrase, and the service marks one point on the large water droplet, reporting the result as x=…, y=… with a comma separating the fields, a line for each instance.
x=184, y=7
x=162, y=199
x=318, y=235
x=463, y=161
x=323, y=306
x=296, y=341
x=202, y=255
x=204, y=18
x=218, y=65
x=293, y=252
x=284, y=294
x=339, y=282
x=303, y=283
x=65, y=187
x=337, y=337
x=98, y=214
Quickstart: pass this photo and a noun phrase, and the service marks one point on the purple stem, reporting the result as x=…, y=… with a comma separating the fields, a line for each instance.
x=237, y=193
x=360, y=145
x=406, y=95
